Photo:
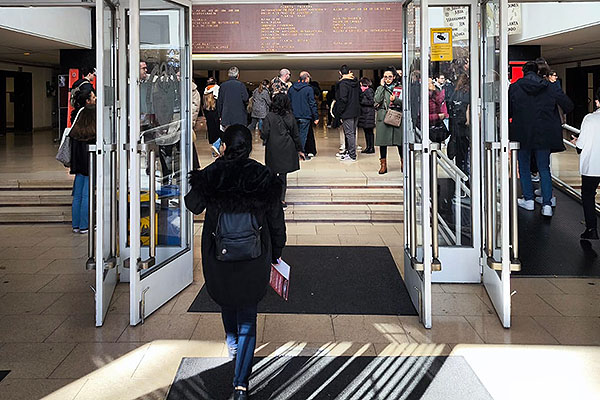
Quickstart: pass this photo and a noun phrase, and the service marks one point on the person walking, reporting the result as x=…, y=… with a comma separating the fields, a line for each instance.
x=195, y=111
x=82, y=134
x=459, y=109
x=231, y=104
x=388, y=95
x=231, y=187
x=304, y=106
x=588, y=145
x=261, y=101
x=209, y=109
x=280, y=135
x=533, y=106
x=366, y=120
x=347, y=96
x=281, y=83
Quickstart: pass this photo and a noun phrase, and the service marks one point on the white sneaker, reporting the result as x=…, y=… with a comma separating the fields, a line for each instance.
x=546, y=211
x=526, y=204
x=311, y=155
x=347, y=158
x=358, y=148
x=540, y=200
x=535, y=178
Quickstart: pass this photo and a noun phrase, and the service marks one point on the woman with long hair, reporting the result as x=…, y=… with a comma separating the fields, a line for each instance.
x=235, y=185
x=388, y=95
x=459, y=109
x=209, y=109
x=282, y=141
x=83, y=133
x=366, y=120
x=261, y=101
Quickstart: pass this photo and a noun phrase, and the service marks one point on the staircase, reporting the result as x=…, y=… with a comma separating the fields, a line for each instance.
x=35, y=201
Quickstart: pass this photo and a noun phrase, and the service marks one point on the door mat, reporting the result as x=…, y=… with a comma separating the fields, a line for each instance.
x=551, y=246
x=328, y=377
x=334, y=280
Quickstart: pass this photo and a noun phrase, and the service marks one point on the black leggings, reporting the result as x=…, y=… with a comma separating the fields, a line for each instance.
x=283, y=178
x=589, y=184
x=383, y=151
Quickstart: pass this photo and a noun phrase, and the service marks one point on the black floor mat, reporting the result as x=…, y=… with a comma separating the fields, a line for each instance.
x=3, y=374
x=551, y=246
x=305, y=377
x=334, y=280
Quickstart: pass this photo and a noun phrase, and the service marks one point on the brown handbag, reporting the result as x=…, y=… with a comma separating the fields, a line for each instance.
x=393, y=118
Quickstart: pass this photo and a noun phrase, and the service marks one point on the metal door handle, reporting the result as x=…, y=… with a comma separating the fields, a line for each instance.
x=151, y=149
x=91, y=261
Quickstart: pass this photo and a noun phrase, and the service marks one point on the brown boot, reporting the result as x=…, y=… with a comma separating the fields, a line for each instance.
x=383, y=168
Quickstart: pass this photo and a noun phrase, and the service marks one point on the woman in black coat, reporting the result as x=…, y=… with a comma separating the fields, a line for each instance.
x=235, y=184
x=280, y=136
x=366, y=120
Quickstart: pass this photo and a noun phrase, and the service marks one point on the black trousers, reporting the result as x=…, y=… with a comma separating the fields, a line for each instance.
x=369, y=137
x=283, y=178
x=589, y=184
x=383, y=151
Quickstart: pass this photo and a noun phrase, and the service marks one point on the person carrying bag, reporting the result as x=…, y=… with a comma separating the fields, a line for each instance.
x=64, y=150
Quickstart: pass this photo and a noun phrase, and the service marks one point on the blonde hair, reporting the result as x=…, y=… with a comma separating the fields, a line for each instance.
x=210, y=103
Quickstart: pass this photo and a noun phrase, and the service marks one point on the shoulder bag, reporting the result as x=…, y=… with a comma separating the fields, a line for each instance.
x=64, y=150
x=392, y=117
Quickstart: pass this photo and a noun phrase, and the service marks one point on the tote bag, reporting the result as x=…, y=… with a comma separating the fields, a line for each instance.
x=64, y=150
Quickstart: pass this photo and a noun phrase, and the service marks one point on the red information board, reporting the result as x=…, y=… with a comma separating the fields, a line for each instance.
x=297, y=28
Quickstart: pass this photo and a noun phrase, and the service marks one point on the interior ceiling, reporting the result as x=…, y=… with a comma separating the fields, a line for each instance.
x=295, y=61
x=42, y=51
x=570, y=46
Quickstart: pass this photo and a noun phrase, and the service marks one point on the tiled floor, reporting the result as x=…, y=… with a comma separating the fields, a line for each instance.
x=49, y=342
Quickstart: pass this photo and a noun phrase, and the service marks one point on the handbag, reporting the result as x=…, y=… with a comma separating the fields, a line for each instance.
x=392, y=117
x=438, y=132
x=250, y=105
x=64, y=150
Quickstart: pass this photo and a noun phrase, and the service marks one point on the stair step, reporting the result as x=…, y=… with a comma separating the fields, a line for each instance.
x=344, y=195
x=33, y=184
x=35, y=197
x=35, y=214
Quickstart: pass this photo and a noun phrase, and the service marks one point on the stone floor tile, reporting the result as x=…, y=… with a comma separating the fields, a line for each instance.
x=11, y=266
x=66, y=266
x=533, y=285
x=22, y=241
x=62, y=252
x=71, y=283
x=473, y=288
x=28, y=328
x=27, y=303
x=12, y=283
x=82, y=328
x=577, y=285
x=210, y=328
x=368, y=328
x=320, y=240
x=370, y=228
x=298, y=327
x=361, y=240
x=301, y=228
x=87, y=358
x=445, y=329
x=72, y=303
x=33, y=360
x=574, y=305
x=184, y=300
x=335, y=349
x=572, y=330
x=523, y=330
x=159, y=326
x=150, y=389
x=332, y=229
x=49, y=389
x=459, y=304
x=531, y=305
x=392, y=239
x=412, y=349
x=27, y=253
x=71, y=240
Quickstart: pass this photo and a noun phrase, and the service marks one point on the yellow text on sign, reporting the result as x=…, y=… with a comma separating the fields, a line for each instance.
x=441, y=44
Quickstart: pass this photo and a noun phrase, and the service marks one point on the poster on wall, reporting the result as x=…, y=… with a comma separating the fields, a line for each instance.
x=457, y=18
x=441, y=44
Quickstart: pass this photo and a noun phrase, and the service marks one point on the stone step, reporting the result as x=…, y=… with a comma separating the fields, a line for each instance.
x=35, y=197
x=344, y=195
x=35, y=214
x=33, y=184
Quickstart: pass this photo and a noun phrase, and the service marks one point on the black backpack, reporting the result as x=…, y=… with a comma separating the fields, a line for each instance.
x=237, y=237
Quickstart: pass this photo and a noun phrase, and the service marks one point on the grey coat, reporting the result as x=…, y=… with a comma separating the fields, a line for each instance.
x=386, y=135
x=261, y=101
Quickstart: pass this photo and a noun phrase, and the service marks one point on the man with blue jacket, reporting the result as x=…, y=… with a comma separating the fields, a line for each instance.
x=304, y=106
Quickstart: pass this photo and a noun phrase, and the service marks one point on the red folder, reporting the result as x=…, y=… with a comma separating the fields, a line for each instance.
x=280, y=278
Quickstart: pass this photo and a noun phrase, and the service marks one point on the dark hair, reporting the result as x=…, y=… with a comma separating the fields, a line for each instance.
x=344, y=70
x=281, y=104
x=543, y=67
x=394, y=72
x=238, y=142
x=263, y=85
x=365, y=81
x=85, y=128
x=83, y=94
x=530, y=66
x=86, y=70
x=211, y=81
x=462, y=83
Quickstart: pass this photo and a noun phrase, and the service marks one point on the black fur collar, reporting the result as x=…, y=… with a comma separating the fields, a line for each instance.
x=242, y=185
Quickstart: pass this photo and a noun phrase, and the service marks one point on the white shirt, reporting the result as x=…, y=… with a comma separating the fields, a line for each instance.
x=589, y=143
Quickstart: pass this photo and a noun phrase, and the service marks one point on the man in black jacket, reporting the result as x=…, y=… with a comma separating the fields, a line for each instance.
x=232, y=100
x=347, y=96
x=536, y=125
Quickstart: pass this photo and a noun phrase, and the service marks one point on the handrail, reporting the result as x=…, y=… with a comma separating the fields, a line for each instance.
x=453, y=166
x=449, y=170
x=571, y=129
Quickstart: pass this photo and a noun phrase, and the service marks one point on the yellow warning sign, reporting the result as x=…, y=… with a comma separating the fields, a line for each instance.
x=441, y=44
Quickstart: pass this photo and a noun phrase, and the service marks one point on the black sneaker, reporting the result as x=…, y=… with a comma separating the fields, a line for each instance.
x=590, y=234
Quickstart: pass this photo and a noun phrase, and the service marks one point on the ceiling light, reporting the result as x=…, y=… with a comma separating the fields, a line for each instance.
x=27, y=53
x=570, y=48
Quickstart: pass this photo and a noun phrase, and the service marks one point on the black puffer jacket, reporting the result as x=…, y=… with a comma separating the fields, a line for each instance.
x=347, y=94
x=242, y=185
x=367, y=109
x=533, y=106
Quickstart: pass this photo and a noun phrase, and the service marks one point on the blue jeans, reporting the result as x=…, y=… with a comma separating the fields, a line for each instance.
x=255, y=121
x=542, y=158
x=303, y=125
x=81, y=201
x=240, y=333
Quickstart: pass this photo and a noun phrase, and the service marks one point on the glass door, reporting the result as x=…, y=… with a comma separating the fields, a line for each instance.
x=419, y=256
x=499, y=162
x=453, y=94
x=160, y=228
x=105, y=177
